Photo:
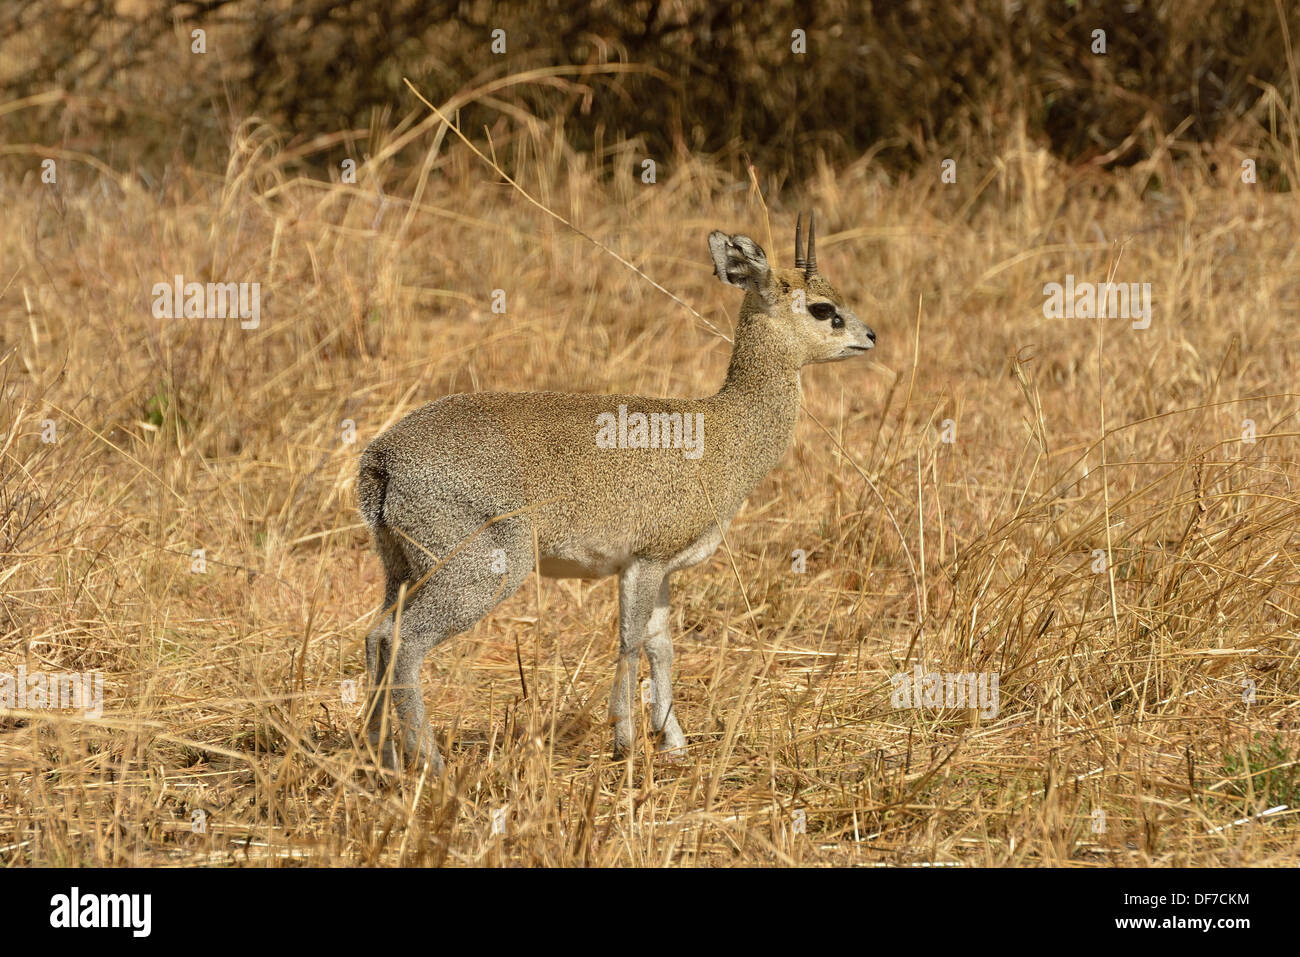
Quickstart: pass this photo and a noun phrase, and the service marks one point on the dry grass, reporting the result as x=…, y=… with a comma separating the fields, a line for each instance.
x=1120, y=691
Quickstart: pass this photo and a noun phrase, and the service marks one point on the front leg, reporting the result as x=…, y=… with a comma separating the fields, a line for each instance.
x=638, y=586
x=659, y=650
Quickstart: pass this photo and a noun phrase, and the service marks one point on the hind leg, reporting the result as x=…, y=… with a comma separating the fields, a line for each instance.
x=415, y=736
x=468, y=585
x=378, y=663
x=378, y=698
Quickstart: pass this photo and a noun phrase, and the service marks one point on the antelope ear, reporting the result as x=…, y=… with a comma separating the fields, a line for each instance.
x=738, y=260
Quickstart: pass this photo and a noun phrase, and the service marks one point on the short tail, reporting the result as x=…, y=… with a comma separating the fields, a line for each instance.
x=372, y=486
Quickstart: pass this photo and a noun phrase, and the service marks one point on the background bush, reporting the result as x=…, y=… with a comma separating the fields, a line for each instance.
x=703, y=76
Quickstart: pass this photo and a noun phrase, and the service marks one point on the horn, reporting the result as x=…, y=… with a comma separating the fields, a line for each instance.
x=810, y=263
x=798, y=243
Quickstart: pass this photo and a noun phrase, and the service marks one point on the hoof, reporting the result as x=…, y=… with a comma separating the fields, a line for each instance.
x=675, y=758
x=433, y=761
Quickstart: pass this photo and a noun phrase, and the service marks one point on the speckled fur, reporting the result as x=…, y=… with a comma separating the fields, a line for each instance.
x=432, y=485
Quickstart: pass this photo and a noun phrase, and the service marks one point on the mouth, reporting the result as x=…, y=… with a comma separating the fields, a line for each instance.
x=861, y=348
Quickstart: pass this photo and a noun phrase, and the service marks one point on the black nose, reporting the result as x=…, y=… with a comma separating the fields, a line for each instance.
x=871, y=335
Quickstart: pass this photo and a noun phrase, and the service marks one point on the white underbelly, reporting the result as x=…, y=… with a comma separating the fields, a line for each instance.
x=578, y=561
x=585, y=561
x=556, y=567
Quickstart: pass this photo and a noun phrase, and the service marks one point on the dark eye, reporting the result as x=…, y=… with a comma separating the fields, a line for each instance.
x=837, y=322
x=822, y=310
